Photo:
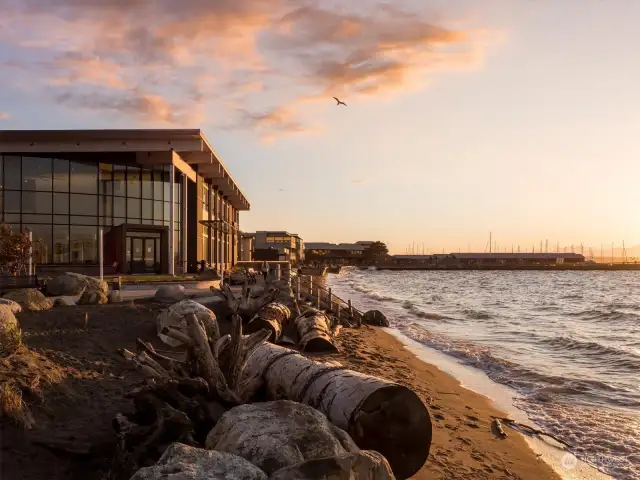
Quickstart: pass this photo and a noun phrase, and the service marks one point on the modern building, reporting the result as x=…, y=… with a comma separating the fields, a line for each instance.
x=278, y=246
x=162, y=198
x=334, y=253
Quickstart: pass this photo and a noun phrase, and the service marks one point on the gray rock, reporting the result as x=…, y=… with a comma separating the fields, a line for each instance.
x=173, y=316
x=71, y=284
x=29, y=299
x=93, y=297
x=115, y=296
x=64, y=301
x=364, y=465
x=15, y=307
x=284, y=434
x=375, y=317
x=169, y=293
x=181, y=462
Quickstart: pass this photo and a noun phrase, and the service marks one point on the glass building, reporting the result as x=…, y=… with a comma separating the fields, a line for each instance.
x=161, y=198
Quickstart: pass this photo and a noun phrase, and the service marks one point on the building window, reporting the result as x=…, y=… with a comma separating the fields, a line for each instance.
x=83, y=244
x=60, y=175
x=12, y=175
x=83, y=177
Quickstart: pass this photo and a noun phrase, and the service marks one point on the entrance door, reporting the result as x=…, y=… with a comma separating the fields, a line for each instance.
x=150, y=259
x=144, y=256
x=137, y=255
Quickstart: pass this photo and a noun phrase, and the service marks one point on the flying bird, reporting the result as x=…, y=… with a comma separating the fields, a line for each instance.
x=339, y=102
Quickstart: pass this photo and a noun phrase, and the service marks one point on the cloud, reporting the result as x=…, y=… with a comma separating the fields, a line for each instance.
x=242, y=64
x=4, y=116
x=357, y=181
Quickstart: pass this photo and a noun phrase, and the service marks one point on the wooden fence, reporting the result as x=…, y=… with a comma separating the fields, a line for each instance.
x=304, y=287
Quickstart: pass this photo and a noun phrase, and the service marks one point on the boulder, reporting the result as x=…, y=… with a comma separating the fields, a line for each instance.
x=289, y=435
x=169, y=293
x=8, y=320
x=375, y=317
x=29, y=299
x=93, y=297
x=15, y=307
x=72, y=284
x=173, y=316
x=64, y=301
x=364, y=465
x=181, y=462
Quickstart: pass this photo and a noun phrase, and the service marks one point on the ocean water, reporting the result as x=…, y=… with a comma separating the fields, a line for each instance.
x=567, y=342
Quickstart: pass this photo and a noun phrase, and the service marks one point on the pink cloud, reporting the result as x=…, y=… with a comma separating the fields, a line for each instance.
x=161, y=61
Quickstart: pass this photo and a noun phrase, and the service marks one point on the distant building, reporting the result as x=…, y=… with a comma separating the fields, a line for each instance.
x=277, y=246
x=470, y=259
x=332, y=253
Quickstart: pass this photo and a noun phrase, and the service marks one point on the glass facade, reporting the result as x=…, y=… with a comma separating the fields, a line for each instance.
x=65, y=202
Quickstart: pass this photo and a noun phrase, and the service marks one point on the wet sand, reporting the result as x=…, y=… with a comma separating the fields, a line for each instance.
x=463, y=443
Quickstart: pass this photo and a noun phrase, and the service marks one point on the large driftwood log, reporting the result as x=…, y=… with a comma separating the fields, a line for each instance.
x=183, y=400
x=272, y=317
x=379, y=415
x=314, y=331
x=297, y=438
x=246, y=306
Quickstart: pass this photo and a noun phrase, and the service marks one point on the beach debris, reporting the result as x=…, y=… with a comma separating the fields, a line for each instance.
x=276, y=435
x=379, y=415
x=529, y=430
x=183, y=397
x=175, y=316
x=246, y=306
x=273, y=317
x=314, y=330
x=376, y=318
x=169, y=293
x=498, y=428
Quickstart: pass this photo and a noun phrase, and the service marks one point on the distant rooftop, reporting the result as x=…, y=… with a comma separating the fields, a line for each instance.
x=332, y=246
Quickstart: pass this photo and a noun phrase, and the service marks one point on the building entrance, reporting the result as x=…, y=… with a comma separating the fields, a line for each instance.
x=143, y=252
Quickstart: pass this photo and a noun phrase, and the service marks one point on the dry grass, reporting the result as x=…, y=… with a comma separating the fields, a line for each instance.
x=22, y=372
x=10, y=341
x=12, y=406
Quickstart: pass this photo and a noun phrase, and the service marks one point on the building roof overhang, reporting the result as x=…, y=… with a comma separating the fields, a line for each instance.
x=190, y=144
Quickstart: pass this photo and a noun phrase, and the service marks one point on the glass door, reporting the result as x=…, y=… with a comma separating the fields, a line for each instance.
x=150, y=255
x=137, y=255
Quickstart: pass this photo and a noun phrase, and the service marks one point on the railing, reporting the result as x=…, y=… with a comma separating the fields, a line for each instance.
x=324, y=298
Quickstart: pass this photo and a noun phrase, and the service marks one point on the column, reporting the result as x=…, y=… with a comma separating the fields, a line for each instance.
x=172, y=175
x=183, y=224
x=214, y=233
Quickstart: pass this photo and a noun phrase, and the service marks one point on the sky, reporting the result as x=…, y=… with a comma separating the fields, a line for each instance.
x=464, y=117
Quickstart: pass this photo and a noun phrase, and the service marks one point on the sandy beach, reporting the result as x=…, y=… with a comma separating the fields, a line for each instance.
x=463, y=443
x=72, y=435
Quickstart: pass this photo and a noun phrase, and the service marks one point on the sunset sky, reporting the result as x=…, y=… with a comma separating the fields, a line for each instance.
x=520, y=117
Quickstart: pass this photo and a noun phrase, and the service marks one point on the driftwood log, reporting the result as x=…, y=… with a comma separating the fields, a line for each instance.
x=246, y=306
x=272, y=317
x=379, y=415
x=315, y=331
x=183, y=399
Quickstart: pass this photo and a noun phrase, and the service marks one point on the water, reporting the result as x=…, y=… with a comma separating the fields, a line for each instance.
x=567, y=342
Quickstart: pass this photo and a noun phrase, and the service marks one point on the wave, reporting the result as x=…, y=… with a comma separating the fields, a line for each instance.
x=414, y=310
x=604, y=354
x=602, y=315
x=476, y=314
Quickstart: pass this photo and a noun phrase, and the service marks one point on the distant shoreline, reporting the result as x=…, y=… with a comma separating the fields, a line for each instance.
x=553, y=268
